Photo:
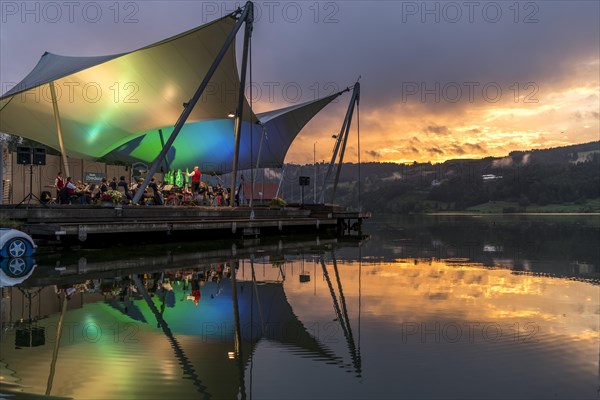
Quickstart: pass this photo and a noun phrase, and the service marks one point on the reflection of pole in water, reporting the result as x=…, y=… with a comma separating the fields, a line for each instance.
x=359, y=293
x=315, y=277
x=344, y=320
x=353, y=352
x=56, y=343
x=236, y=312
x=342, y=298
x=238, y=331
x=188, y=368
x=251, y=339
x=260, y=314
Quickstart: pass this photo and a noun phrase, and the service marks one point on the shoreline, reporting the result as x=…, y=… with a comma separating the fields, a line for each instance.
x=466, y=213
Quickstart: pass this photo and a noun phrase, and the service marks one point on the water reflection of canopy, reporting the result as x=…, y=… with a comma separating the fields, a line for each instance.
x=114, y=105
x=214, y=317
x=271, y=319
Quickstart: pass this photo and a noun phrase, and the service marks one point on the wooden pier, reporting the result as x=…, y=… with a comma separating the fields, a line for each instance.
x=72, y=223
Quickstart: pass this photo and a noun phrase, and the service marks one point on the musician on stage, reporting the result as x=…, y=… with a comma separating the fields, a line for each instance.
x=59, y=183
x=196, y=175
x=218, y=191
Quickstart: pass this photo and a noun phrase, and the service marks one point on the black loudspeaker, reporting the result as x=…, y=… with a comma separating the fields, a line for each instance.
x=39, y=156
x=24, y=155
x=30, y=337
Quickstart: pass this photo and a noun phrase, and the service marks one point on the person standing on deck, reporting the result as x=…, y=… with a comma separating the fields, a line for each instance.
x=156, y=194
x=122, y=183
x=196, y=176
x=59, y=183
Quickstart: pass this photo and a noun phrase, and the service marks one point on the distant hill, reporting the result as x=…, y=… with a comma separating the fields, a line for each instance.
x=521, y=181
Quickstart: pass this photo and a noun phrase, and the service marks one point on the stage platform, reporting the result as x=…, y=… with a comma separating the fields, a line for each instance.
x=83, y=223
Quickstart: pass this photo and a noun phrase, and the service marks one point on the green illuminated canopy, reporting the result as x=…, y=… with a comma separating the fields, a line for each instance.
x=106, y=101
x=209, y=144
x=113, y=106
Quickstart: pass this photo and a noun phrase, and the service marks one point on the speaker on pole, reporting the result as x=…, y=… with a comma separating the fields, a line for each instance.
x=39, y=156
x=24, y=155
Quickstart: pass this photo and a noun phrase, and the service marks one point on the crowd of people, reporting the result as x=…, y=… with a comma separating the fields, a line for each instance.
x=156, y=193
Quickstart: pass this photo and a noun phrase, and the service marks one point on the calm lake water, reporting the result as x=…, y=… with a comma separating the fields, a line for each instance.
x=425, y=307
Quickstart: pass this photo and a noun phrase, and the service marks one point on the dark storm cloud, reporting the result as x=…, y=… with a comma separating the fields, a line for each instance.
x=474, y=147
x=434, y=150
x=442, y=63
x=402, y=60
x=438, y=130
x=457, y=150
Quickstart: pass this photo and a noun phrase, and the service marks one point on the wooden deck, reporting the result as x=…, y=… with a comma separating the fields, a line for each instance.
x=79, y=223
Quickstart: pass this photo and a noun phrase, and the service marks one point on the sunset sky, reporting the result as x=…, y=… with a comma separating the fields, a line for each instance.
x=440, y=80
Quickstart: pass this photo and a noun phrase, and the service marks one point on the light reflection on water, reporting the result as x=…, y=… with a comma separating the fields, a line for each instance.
x=424, y=309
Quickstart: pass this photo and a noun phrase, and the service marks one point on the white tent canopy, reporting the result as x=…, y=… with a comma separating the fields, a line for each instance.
x=209, y=144
x=106, y=101
x=113, y=106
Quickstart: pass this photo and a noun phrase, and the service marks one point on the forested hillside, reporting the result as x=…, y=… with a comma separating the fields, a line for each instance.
x=521, y=181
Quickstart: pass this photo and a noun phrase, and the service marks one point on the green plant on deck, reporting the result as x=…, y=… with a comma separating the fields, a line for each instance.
x=10, y=223
x=278, y=202
x=112, y=195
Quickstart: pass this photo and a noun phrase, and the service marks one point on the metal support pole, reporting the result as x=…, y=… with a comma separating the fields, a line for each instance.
x=355, y=95
x=332, y=162
x=248, y=11
x=162, y=143
x=63, y=153
x=315, y=172
x=358, y=141
x=337, y=145
x=341, y=136
x=280, y=182
x=240, y=109
x=264, y=133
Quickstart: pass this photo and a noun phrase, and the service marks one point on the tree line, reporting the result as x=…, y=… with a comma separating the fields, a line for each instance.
x=565, y=175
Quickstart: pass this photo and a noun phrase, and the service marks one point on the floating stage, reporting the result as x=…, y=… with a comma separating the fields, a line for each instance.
x=85, y=223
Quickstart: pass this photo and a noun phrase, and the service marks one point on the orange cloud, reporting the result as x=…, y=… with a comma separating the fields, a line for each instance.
x=541, y=115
